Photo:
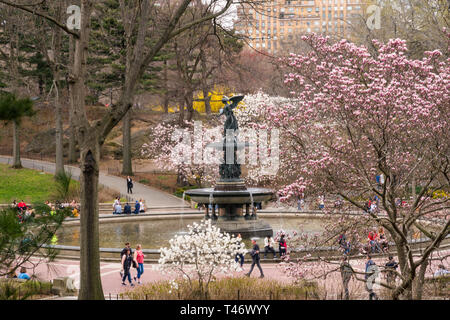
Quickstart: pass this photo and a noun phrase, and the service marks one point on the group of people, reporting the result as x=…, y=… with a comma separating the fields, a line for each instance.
x=138, y=207
x=371, y=268
x=377, y=242
x=24, y=211
x=371, y=205
x=73, y=206
x=130, y=259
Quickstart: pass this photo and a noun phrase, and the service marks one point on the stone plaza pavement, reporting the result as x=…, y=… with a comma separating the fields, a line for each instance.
x=112, y=283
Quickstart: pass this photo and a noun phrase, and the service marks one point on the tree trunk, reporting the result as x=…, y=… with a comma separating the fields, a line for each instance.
x=16, y=145
x=181, y=103
x=190, y=105
x=72, y=152
x=166, y=87
x=405, y=288
x=90, y=279
x=59, y=161
x=419, y=281
x=127, y=169
x=72, y=155
x=207, y=98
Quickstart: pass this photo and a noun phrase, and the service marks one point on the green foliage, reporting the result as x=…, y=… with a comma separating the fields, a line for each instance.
x=17, y=290
x=29, y=185
x=179, y=192
x=63, y=180
x=13, y=109
x=226, y=289
x=22, y=238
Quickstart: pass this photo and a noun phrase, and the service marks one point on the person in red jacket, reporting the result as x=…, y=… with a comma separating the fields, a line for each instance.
x=21, y=205
x=282, y=246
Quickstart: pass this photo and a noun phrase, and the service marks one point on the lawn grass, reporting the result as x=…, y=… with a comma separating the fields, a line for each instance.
x=26, y=184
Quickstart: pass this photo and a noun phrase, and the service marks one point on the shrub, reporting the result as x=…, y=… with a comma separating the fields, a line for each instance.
x=225, y=289
x=17, y=290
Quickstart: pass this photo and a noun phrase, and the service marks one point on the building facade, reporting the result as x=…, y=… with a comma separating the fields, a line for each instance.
x=274, y=26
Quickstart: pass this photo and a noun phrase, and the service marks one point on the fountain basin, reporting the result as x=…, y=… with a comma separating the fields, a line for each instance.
x=211, y=196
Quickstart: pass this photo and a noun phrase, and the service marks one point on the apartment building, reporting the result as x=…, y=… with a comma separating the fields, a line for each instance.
x=272, y=26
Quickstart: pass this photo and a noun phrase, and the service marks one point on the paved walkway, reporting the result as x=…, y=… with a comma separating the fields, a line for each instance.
x=332, y=285
x=152, y=196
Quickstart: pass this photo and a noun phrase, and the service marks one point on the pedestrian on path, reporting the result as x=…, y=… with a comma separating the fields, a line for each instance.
x=139, y=259
x=346, y=274
x=391, y=273
x=239, y=256
x=127, y=261
x=129, y=185
x=371, y=274
x=122, y=253
x=256, y=259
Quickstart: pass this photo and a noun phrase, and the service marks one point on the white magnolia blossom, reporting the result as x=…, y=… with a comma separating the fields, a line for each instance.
x=202, y=253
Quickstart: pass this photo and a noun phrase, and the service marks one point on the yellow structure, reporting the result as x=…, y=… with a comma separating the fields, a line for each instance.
x=273, y=26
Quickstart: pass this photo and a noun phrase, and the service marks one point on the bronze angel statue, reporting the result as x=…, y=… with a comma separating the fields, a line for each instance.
x=230, y=104
x=230, y=170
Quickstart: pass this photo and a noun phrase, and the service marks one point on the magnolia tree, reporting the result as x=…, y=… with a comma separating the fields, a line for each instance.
x=201, y=254
x=184, y=150
x=357, y=116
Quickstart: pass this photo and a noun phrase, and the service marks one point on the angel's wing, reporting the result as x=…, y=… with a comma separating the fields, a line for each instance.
x=235, y=100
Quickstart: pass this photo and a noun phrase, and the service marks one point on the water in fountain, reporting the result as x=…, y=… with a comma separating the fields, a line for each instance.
x=211, y=204
x=280, y=215
x=182, y=232
x=252, y=206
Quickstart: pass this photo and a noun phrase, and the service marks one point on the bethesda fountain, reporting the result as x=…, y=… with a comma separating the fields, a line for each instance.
x=236, y=212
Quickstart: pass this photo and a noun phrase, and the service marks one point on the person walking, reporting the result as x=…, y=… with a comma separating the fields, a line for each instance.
x=127, y=261
x=371, y=268
x=239, y=256
x=346, y=274
x=256, y=259
x=139, y=259
x=268, y=246
x=122, y=253
x=391, y=275
x=129, y=185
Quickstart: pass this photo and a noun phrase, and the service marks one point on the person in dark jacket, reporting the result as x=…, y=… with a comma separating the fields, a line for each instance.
x=346, y=274
x=391, y=274
x=129, y=185
x=370, y=276
x=255, y=257
x=137, y=207
x=127, y=209
x=127, y=261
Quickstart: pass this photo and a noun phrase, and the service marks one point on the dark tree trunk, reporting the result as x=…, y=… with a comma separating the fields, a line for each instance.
x=127, y=169
x=90, y=278
x=207, y=100
x=72, y=154
x=166, y=87
x=59, y=157
x=17, y=164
